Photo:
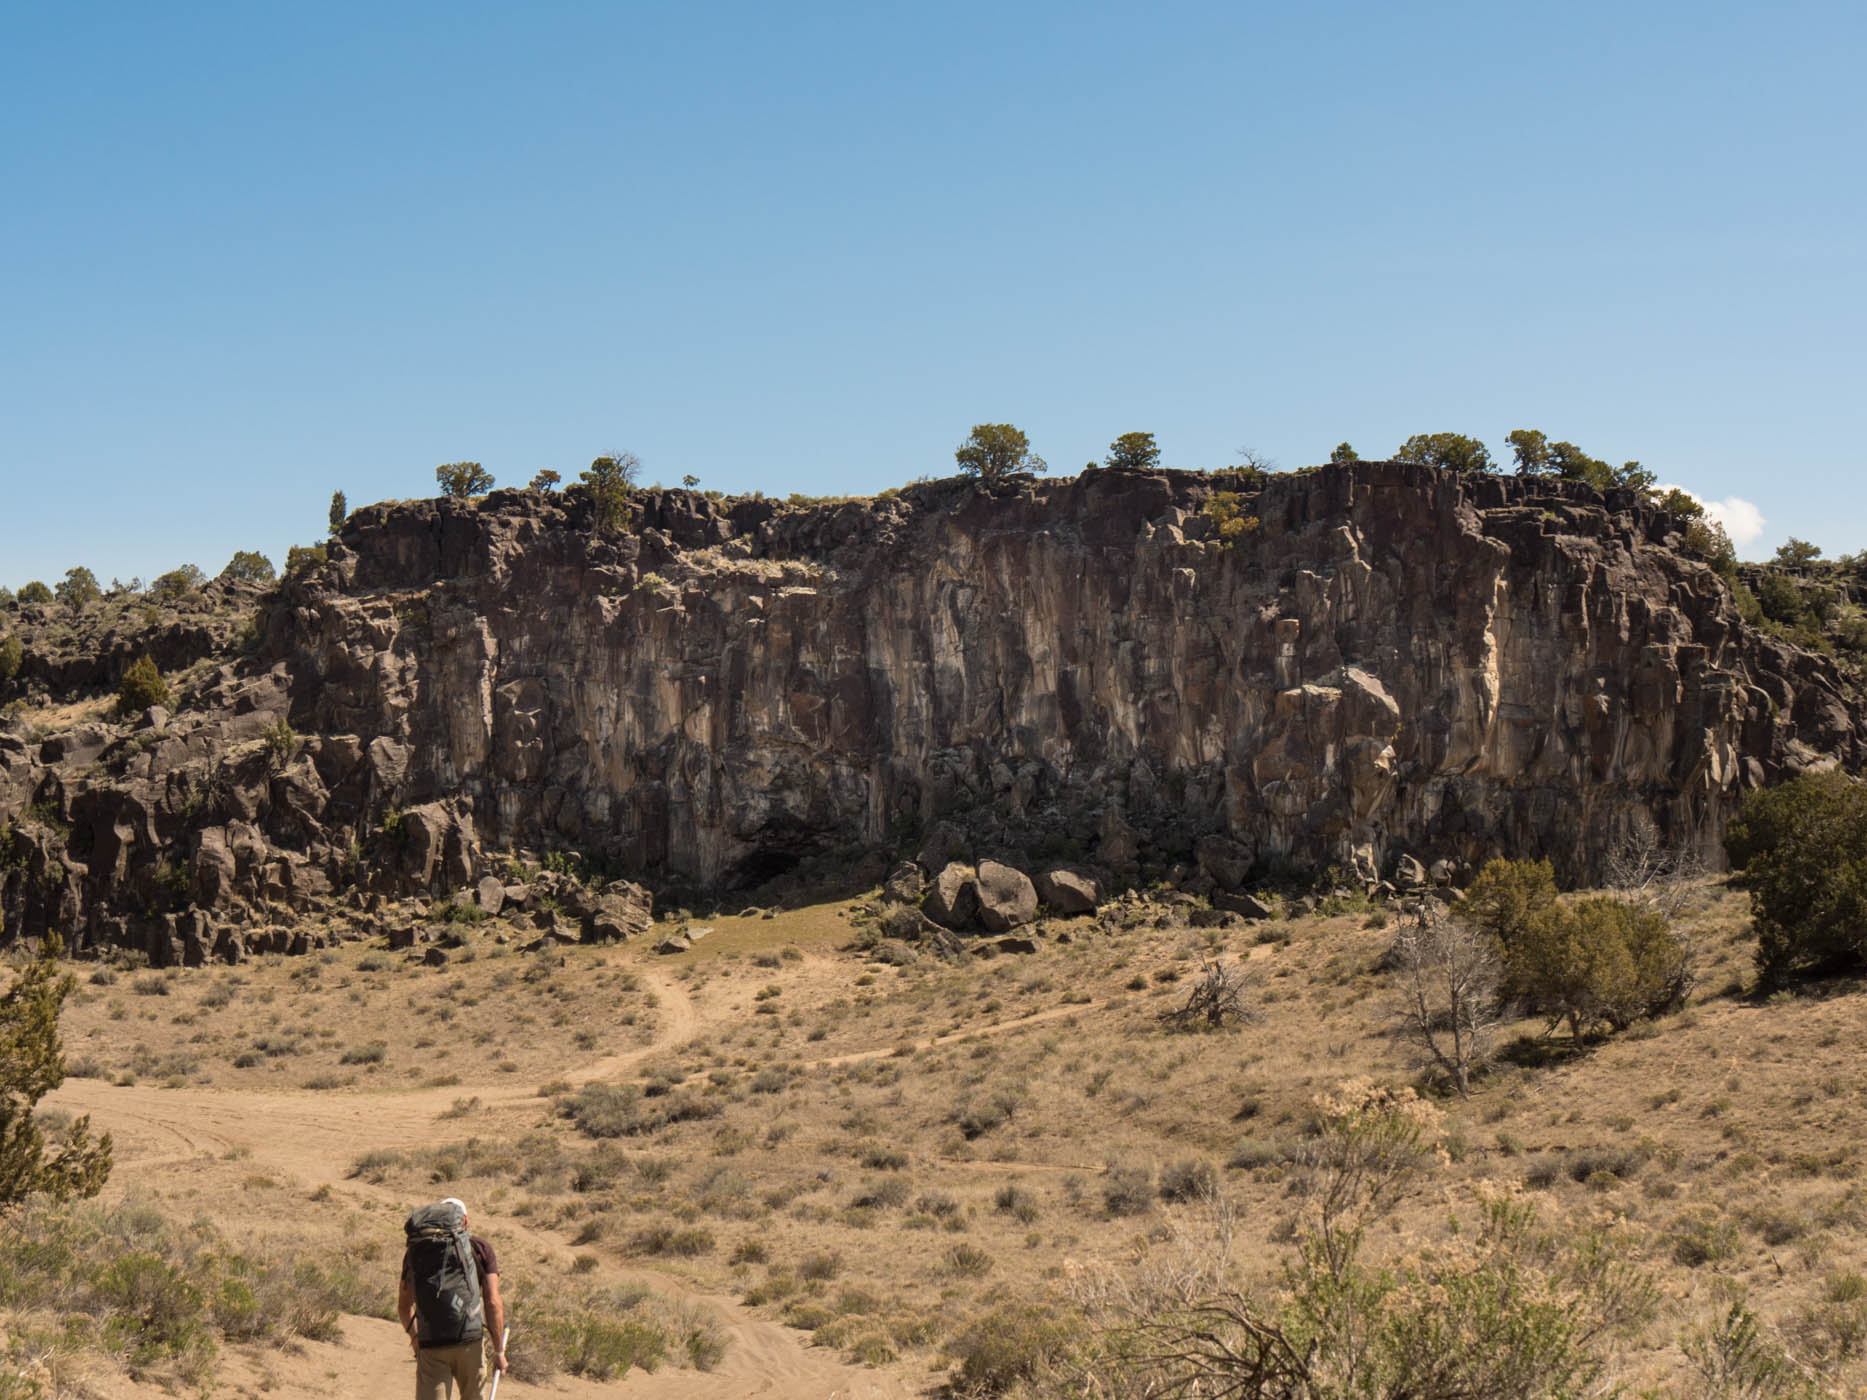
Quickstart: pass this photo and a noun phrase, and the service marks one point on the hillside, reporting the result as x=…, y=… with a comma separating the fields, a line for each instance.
x=845, y=1161
x=771, y=919
x=1372, y=663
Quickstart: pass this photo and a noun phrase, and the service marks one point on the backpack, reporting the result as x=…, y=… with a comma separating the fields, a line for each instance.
x=448, y=1307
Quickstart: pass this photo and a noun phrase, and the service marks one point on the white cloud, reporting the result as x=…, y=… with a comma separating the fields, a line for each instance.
x=1741, y=519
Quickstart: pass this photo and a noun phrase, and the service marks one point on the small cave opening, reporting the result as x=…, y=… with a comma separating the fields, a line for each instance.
x=762, y=866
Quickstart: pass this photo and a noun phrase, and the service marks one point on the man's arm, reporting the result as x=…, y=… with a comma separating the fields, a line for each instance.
x=405, y=1310
x=495, y=1320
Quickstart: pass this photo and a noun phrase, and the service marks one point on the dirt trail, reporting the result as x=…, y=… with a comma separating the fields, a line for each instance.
x=1036, y=1018
x=313, y=1138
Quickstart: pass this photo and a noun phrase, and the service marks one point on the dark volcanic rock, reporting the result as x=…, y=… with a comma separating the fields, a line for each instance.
x=953, y=897
x=1006, y=897
x=1068, y=891
x=1396, y=660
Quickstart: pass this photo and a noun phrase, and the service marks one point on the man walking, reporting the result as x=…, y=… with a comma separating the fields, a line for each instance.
x=449, y=1303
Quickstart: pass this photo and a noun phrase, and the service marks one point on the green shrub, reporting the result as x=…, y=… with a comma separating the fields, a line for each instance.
x=12, y=657
x=459, y=911
x=162, y=1297
x=141, y=687
x=1507, y=896
x=1703, y=1237
x=34, y=1161
x=967, y=1261
x=1803, y=849
x=34, y=592
x=820, y=1267
x=1012, y=1345
x=280, y=740
x=301, y=557
x=1018, y=1202
x=1187, y=1180
x=177, y=584
x=1593, y=961
x=1598, y=960
x=1127, y=1190
x=1226, y=511
x=600, y=1349
x=79, y=588
x=249, y=566
x=1450, y=451
x=622, y=1110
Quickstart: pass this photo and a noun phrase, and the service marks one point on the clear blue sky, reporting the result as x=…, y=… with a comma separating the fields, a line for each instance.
x=256, y=253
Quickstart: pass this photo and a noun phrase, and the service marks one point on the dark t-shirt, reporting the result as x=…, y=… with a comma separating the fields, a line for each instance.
x=483, y=1257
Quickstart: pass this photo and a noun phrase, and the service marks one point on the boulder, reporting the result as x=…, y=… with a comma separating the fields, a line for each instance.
x=1249, y=905
x=1007, y=898
x=214, y=868
x=905, y=884
x=426, y=829
x=945, y=845
x=490, y=895
x=894, y=953
x=1068, y=891
x=903, y=921
x=435, y=957
x=1227, y=863
x=953, y=897
x=1409, y=874
x=620, y=911
x=400, y=938
x=673, y=943
x=1016, y=945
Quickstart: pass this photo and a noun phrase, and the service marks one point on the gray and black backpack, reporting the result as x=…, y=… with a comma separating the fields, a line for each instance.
x=448, y=1306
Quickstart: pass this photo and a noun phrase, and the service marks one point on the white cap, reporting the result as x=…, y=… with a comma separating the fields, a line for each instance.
x=455, y=1201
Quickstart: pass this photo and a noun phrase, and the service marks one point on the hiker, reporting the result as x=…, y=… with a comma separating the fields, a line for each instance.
x=449, y=1302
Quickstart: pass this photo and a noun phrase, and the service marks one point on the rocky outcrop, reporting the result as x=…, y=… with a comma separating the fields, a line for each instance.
x=1394, y=662
x=1007, y=898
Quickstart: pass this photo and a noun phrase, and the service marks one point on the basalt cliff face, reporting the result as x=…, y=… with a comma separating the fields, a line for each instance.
x=1393, y=661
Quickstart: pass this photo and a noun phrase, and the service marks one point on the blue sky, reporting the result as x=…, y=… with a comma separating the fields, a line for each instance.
x=255, y=254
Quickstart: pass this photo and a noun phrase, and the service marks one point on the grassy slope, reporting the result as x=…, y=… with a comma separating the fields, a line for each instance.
x=886, y=1151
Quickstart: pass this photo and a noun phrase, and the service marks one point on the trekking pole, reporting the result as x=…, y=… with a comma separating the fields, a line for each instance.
x=493, y=1394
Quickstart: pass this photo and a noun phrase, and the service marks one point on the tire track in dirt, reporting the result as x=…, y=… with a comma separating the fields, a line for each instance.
x=1036, y=1018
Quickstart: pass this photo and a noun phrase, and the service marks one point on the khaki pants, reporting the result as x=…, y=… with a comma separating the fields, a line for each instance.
x=463, y=1364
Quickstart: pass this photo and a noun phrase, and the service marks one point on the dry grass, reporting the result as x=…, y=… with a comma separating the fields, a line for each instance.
x=879, y=1154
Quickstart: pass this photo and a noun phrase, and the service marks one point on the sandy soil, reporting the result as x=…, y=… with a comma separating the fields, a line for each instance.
x=310, y=1138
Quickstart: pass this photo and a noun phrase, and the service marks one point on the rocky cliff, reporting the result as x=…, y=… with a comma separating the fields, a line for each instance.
x=1391, y=661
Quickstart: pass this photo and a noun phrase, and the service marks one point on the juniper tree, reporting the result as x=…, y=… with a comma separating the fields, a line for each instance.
x=1132, y=450
x=994, y=451
x=249, y=566
x=609, y=481
x=142, y=686
x=463, y=479
x=32, y=1163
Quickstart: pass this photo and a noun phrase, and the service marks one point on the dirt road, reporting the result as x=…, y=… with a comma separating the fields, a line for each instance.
x=165, y=1137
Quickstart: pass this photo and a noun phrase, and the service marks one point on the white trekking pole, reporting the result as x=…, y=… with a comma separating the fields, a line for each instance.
x=493, y=1394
